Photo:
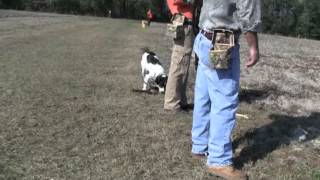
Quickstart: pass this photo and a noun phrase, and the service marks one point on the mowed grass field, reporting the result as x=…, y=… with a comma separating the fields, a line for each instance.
x=67, y=110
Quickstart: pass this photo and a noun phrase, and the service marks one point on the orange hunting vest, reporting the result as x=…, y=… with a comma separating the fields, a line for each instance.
x=186, y=10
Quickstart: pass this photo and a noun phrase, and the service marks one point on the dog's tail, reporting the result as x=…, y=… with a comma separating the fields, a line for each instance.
x=147, y=50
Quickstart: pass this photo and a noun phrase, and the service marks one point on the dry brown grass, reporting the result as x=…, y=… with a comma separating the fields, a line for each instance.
x=67, y=110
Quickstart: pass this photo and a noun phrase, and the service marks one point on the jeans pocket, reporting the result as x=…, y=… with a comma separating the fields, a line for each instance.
x=204, y=50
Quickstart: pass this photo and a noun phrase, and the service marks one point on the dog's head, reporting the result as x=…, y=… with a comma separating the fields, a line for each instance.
x=161, y=82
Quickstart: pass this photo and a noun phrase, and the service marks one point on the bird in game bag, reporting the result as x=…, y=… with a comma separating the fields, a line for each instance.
x=175, y=29
x=223, y=42
x=181, y=11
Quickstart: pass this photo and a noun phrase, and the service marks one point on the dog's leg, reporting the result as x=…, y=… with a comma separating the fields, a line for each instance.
x=142, y=71
x=145, y=86
x=145, y=82
x=161, y=90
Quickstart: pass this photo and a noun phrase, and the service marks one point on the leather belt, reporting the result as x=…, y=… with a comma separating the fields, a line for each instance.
x=209, y=35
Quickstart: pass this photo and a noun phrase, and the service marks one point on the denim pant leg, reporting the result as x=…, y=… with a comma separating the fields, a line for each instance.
x=202, y=104
x=222, y=88
x=201, y=114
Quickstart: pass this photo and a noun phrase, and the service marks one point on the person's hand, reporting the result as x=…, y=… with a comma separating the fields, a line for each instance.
x=253, y=56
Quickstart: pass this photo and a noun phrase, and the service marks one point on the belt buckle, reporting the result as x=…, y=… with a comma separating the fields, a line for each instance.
x=208, y=35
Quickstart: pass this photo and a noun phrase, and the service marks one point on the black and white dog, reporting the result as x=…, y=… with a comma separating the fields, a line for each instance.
x=152, y=71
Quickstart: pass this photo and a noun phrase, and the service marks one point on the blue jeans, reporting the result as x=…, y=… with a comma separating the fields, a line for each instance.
x=215, y=105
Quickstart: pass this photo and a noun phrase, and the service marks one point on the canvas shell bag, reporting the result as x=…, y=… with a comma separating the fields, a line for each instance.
x=175, y=29
x=220, y=54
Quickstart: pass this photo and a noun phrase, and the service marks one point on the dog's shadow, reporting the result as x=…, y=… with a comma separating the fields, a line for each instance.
x=151, y=91
x=260, y=142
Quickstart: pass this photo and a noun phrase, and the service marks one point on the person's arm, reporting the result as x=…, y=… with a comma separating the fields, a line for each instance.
x=250, y=19
x=253, y=56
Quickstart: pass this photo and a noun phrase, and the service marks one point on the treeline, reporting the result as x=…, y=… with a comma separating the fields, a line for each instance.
x=299, y=18
x=135, y=9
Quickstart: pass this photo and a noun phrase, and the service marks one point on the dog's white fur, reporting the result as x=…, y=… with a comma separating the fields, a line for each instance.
x=150, y=71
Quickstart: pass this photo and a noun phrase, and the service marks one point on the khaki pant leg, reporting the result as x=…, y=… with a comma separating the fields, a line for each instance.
x=175, y=95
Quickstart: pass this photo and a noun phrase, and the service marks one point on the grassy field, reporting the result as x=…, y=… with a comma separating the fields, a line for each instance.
x=67, y=110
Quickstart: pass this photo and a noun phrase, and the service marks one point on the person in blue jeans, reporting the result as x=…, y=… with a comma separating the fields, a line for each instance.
x=216, y=90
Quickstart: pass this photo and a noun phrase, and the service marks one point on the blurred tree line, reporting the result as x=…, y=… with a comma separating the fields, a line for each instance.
x=300, y=18
x=135, y=9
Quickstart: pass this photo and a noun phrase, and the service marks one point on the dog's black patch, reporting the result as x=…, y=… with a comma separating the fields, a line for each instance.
x=151, y=53
x=153, y=60
x=161, y=80
x=145, y=72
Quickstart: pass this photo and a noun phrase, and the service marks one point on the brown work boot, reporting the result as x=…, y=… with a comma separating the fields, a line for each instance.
x=227, y=172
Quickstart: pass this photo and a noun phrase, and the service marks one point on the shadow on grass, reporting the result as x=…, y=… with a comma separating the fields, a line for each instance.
x=259, y=142
x=250, y=95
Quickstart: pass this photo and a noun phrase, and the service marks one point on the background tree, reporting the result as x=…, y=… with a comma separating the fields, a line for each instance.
x=12, y=4
x=280, y=16
x=309, y=20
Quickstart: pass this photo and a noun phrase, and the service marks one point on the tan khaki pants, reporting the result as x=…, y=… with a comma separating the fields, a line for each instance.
x=175, y=95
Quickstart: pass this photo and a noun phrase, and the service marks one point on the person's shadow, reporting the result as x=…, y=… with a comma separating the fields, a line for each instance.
x=259, y=142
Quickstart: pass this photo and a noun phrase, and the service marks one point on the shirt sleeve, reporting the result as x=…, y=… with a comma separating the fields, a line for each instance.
x=249, y=13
